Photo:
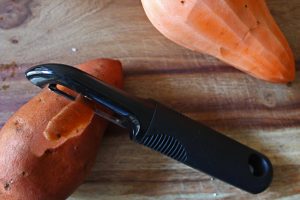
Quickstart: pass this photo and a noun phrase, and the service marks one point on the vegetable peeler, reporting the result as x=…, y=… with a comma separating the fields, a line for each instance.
x=163, y=129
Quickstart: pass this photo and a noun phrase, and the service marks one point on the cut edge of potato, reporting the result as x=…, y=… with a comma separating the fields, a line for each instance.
x=70, y=122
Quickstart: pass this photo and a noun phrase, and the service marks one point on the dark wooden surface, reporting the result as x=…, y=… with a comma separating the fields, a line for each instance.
x=262, y=115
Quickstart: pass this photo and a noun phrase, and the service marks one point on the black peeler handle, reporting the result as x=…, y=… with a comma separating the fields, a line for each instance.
x=202, y=148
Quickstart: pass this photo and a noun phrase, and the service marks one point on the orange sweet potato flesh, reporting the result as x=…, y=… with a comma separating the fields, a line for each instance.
x=35, y=168
x=70, y=121
x=240, y=32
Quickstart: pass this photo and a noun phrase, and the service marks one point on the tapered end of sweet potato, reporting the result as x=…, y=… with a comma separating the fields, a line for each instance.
x=241, y=33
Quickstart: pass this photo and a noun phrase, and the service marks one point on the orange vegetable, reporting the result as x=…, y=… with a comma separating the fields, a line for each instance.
x=240, y=32
x=32, y=167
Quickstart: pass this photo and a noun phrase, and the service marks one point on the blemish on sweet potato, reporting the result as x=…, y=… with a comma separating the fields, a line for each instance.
x=58, y=135
x=48, y=152
x=6, y=186
x=18, y=125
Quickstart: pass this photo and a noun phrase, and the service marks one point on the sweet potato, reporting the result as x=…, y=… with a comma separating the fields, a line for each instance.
x=35, y=168
x=242, y=33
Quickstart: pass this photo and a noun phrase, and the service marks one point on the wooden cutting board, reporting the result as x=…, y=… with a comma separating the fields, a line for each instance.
x=259, y=114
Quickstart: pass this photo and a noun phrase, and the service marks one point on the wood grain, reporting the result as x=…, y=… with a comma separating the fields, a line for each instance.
x=262, y=115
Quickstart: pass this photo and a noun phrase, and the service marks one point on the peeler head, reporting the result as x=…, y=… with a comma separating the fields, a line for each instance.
x=41, y=76
x=132, y=112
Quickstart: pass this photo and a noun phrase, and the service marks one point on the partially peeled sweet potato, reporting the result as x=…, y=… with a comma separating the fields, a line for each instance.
x=33, y=167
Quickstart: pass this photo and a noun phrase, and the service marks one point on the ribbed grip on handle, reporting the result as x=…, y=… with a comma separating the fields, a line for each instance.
x=167, y=145
x=202, y=148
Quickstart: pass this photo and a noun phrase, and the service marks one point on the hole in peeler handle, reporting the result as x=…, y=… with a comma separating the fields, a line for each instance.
x=258, y=166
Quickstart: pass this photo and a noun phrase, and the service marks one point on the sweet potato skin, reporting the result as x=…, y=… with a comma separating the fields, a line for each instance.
x=34, y=168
